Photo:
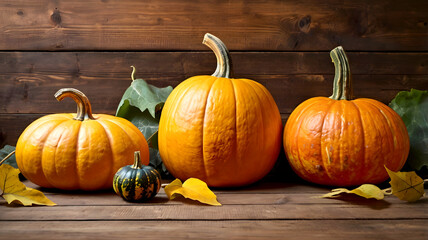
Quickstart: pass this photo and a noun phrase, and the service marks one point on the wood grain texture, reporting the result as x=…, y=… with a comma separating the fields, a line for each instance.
x=243, y=25
x=32, y=96
x=272, y=210
x=241, y=229
x=28, y=80
x=231, y=198
x=197, y=212
x=262, y=201
x=264, y=192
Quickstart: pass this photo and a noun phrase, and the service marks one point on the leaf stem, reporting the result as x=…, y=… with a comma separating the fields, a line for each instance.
x=387, y=191
x=133, y=72
x=150, y=138
x=8, y=156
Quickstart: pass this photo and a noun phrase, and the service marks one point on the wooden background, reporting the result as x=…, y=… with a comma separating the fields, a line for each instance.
x=46, y=45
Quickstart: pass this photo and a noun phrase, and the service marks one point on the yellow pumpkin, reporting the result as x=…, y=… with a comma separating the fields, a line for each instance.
x=224, y=131
x=78, y=151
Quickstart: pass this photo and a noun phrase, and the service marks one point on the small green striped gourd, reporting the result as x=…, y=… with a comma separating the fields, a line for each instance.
x=137, y=183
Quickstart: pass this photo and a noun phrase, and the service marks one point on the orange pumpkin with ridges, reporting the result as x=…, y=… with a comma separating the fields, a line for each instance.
x=224, y=131
x=78, y=151
x=343, y=141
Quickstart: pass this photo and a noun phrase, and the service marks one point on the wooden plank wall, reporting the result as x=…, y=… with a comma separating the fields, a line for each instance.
x=49, y=44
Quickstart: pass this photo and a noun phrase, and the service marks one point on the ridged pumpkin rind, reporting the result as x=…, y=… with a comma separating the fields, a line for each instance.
x=226, y=132
x=137, y=184
x=344, y=143
x=56, y=151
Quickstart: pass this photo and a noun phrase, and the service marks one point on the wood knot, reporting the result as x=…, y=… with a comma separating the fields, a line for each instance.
x=422, y=24
x=305, y=24
x=56, y=17
x=405, y=80
x=20, y=13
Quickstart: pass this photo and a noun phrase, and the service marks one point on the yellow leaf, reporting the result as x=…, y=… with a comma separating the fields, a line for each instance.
x=192, y=188
x=15, y=191
x=407, y=186
x=365, y=190
x=369, y=191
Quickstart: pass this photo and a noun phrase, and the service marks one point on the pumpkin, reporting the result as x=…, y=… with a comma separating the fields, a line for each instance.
x=226, y=132
x=342, y=141
x=137, y=182
x=77, y=151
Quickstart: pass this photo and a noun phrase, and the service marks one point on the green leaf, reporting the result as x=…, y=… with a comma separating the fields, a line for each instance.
x=142, y=120
x=11, y=160
x=143, y=96
x=141, y=104
x=413, y=108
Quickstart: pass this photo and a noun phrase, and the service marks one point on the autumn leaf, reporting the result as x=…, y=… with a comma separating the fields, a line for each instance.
x=15, y=191
x=192, y=188
x=365, y=190
x=407, y=186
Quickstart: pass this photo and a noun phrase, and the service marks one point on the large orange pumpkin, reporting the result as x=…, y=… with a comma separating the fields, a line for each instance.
x=224, y=131
x=340, y=141
x=78, y=151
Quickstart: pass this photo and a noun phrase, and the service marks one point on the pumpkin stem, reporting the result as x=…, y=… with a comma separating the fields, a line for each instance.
x=133, y=72
x=84, y=110
x=137, y=161
x=342, y=85
x=224, y=62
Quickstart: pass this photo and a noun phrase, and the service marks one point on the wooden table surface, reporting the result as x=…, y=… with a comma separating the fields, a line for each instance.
x=268, y=209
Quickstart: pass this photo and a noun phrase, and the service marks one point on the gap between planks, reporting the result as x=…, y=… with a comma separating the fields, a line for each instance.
x=242, y=229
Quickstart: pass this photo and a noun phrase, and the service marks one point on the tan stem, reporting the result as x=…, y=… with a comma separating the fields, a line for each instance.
x=224, y=62
x=137, y=160
x=8, y=156
x=84, y=110
x=387, y=191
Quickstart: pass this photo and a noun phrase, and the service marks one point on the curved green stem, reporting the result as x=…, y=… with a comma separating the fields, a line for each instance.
x=137, y=160
x=84, y=110
x=224, y=62
x=342, y=85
